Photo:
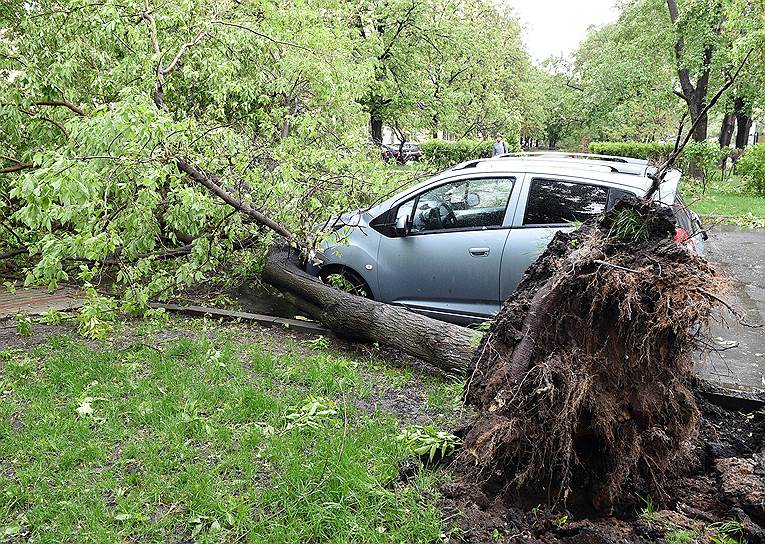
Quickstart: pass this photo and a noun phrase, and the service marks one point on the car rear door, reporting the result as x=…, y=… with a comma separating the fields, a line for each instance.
x=546, y=205
x=450, y=271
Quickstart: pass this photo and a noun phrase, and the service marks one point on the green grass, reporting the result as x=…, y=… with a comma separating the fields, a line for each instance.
x=680, y=536
x=189, y=441
x=728, y=201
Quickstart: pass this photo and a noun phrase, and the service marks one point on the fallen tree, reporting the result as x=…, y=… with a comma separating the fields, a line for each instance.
x=443, y=345
x=597, y=398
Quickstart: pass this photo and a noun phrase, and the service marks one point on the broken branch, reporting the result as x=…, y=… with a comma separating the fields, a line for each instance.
x=63, y=103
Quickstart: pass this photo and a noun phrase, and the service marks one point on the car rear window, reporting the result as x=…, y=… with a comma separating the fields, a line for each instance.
x=555, y=202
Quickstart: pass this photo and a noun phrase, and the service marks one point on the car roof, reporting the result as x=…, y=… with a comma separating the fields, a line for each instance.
x=630, y=174
x=577, y=155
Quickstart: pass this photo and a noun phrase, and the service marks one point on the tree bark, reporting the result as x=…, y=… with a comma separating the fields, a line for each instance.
x=744, y=122
x=726, y=131
x=376, y=126
x=700, y=132
x=442, y=345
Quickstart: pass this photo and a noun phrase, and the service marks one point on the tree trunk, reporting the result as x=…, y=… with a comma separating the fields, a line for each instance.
x=694, y=95
x=442, y=345
x=376, y=126
x=726, y=131
x=696, y=106
x=744, y=122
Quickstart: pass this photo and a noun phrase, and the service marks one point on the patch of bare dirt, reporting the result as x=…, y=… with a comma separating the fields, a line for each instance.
x=11, y=339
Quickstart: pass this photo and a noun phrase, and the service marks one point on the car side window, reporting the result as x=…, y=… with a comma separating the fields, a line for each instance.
x=405, y=210
x=462, y=205
x=555, y=202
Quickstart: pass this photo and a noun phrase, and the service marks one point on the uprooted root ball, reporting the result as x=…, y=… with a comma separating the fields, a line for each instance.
x=583, y=381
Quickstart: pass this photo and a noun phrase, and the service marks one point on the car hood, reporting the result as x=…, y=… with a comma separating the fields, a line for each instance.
x=352, y=219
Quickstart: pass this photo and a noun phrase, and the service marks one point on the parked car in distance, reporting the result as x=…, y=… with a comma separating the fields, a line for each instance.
x=389, y=152
x=410, y=151
x=457, y=245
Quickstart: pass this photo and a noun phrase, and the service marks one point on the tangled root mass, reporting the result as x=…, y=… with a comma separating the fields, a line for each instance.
x=584, y=379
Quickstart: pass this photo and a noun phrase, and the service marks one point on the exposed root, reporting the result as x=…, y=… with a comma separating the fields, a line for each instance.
x=583, y=381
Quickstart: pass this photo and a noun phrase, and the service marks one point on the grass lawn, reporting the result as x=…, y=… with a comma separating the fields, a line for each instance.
x=727, y=202
x=196, y=431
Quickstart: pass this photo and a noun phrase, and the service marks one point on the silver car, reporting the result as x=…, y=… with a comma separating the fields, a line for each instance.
x=457, y=245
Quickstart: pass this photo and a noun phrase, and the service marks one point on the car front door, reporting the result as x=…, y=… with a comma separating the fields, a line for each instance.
x=448, y=264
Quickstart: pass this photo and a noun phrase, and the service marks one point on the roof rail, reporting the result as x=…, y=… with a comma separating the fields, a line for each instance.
x=563, y=154
x=617, y=167
x=557, y=161
x=469, y=164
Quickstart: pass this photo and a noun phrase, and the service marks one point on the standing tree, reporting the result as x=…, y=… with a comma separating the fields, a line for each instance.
x=698, y=31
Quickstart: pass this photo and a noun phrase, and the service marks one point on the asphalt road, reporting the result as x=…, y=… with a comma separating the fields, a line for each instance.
x=740, y=254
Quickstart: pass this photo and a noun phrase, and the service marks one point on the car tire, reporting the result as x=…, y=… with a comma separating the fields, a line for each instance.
x=353, y=283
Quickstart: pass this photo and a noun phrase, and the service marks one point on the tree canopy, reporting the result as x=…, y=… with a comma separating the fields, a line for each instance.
x=634, y=78
x=134, y=132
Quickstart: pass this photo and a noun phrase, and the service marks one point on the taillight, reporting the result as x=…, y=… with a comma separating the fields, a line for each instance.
x=682, y=237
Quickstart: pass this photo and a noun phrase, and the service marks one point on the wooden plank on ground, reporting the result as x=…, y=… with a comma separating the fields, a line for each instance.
x=309, y=327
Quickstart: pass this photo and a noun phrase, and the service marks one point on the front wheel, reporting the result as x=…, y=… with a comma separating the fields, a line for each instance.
x=346, y=280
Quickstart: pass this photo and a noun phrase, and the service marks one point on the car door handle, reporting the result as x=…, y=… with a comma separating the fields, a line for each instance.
x=479, y=251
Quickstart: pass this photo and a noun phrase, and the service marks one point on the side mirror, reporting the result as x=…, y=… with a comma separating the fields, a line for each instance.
x=473, y=200
x=402, y=225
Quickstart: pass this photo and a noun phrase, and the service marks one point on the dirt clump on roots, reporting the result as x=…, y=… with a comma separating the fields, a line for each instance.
x=717, y=497
x=583, y=384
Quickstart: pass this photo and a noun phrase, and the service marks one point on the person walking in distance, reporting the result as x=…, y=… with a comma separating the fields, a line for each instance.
x=500, y=147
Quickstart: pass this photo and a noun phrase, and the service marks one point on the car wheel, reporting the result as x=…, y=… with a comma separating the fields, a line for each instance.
x=346, y=280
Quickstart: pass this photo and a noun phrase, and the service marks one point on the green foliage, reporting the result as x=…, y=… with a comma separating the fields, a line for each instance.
x=441, y=154
x=623, y=80
x=273, y=113
x=628, y=226
x=338, y=281
x=426, y=441
x=53, y=317
x=319, y=343
x=312, y=413
x=655, y=152
x=680, y=536
x=725, y=532
x=95, y=317
x=436, y=66
x=752, y=167
x=648, y=512
x=23, y=325
x=702, y=156
x=272, y=99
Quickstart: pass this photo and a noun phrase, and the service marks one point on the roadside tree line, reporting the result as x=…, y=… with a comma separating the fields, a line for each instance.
x=661, y=60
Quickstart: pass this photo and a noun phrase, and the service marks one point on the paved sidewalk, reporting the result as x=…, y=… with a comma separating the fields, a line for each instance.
x=740, y=254
x=34, y=301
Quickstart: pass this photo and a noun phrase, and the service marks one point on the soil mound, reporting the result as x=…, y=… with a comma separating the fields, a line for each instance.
x=717, y=497
x=584, y=382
